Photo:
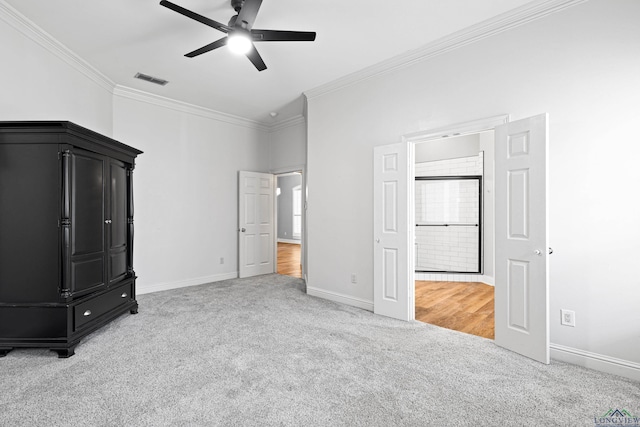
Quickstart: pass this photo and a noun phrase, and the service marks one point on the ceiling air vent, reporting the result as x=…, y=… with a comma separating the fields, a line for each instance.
x=151, y=79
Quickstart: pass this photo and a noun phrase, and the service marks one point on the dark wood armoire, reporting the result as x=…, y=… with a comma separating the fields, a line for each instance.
x=66, y=234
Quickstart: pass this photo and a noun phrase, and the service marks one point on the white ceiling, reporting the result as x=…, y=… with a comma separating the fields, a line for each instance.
x=123, y=37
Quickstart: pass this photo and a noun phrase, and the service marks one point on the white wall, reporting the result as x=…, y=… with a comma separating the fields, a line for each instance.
x=581, y=66
x=288, y=152
x=36, y=84
x=186, y=191
x=185, y=182
x=288, y=146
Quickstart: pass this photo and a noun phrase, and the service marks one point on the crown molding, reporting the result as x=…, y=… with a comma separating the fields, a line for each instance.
x=48, y=42
x=498, y=24
x=28, y=28
x=287, y=123
x=161, y=101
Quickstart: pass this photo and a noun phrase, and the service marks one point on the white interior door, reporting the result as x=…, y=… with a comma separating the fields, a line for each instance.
x=392, y=213
x=521, y=242
x=256, y=232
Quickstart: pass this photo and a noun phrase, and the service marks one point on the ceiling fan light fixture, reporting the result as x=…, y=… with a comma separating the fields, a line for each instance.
x=239, y=43
x=241, y=35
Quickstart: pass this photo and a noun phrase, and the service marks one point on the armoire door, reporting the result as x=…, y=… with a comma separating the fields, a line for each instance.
x=84, y=188
x=117, y=221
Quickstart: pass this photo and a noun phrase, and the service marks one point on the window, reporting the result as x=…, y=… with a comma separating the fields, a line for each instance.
x=297, y=212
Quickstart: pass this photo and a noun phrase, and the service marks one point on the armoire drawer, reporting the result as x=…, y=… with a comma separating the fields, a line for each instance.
x=88, y=311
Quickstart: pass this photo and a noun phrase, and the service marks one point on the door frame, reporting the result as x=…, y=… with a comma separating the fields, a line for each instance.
x=453, y=130
x=303, y=236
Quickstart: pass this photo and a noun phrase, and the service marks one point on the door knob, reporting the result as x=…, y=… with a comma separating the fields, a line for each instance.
x=550, y=251
x=107, y=221
x=243, y=229
x=538, y=252
x=378, y=240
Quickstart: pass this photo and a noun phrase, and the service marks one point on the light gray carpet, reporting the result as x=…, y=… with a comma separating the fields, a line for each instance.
x=260, y=352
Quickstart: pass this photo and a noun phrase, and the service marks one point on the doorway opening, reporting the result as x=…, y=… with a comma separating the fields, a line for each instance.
x=289, y=223
x=520, y=229
x=453, y=248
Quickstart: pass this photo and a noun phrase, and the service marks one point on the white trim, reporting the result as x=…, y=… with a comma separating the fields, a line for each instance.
x=288, y=170
x=596, y=361
x=279, y=175
x=185, y=283
x=287, y=123
x=161, y=101
x=488, y=280
x=341, y=298
x=457, y=129
x=27, y=27
x=292, y=241
x=453, y=277
x=503, y=22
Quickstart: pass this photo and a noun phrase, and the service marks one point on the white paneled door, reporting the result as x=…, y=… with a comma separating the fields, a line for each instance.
x=256, y=228
x=392, y=263
x=521, y=242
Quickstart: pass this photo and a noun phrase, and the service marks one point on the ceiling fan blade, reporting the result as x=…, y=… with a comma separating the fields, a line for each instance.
x=248, y=13
x=256, y=59
x=203, y=19
x=204, y=49
x=282, y=36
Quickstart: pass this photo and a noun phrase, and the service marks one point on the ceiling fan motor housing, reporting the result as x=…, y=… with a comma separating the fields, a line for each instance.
x=237, y=5
x=237, y=31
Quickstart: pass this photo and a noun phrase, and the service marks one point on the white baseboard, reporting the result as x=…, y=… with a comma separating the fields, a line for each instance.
x=341, y=298
x=595, y=361
x=295, y=242
x=147, y=289
x=487, y=280
x=452, y=277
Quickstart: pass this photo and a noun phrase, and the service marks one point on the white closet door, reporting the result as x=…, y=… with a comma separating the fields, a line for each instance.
x=256, y=224
x=393, y=256
x=521, y=244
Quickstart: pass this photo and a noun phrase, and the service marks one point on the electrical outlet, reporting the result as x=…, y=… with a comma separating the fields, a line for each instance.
x=354, y=278
x=221, y=260
x=568, y=318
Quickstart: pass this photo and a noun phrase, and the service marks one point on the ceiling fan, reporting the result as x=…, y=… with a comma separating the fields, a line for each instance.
x=240, y=33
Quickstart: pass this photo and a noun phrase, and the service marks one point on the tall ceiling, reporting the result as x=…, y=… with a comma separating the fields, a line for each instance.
x=122, y=37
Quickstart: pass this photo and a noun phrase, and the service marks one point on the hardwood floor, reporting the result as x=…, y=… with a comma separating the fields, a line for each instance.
x=461, y=306
x=289, y=259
